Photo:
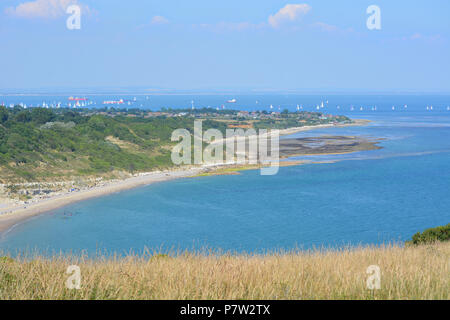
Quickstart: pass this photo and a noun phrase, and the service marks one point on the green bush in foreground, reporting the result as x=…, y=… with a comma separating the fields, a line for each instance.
x=431, y=235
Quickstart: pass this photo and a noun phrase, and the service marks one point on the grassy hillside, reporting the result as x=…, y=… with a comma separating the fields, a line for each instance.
x=414, y=272
x=38, y=144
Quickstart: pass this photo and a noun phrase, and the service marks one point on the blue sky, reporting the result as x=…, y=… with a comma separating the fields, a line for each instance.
x=212, y=45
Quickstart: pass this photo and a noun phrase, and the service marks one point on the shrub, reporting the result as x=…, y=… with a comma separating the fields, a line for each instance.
x=438, y=234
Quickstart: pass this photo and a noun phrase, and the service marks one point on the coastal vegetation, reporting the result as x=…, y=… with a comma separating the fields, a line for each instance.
x=44, y=151
x=412, y=272
x=39, y=144
x=431, y=235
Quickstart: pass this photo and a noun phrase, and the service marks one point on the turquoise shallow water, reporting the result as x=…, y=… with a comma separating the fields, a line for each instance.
x=365, y=198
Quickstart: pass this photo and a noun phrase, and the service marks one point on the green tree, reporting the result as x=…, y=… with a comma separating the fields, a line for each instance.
x=3, y=114
x=42, y=115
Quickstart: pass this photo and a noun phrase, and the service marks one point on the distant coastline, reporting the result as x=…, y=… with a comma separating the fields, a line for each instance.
x=10, y=217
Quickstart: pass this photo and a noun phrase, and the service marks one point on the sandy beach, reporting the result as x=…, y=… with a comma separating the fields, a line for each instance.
x=17, y=214
x=13, y=215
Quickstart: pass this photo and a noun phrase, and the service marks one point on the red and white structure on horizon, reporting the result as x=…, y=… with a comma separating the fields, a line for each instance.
x=113, y=102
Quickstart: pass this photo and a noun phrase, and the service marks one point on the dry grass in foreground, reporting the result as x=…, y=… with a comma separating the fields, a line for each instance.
x=406, y=273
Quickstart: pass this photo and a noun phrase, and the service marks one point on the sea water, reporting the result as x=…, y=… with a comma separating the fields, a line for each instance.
x=369, y=197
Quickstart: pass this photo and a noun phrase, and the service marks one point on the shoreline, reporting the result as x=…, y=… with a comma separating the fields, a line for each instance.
x=355, y=123
x=17, y=215
x=20, y=214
